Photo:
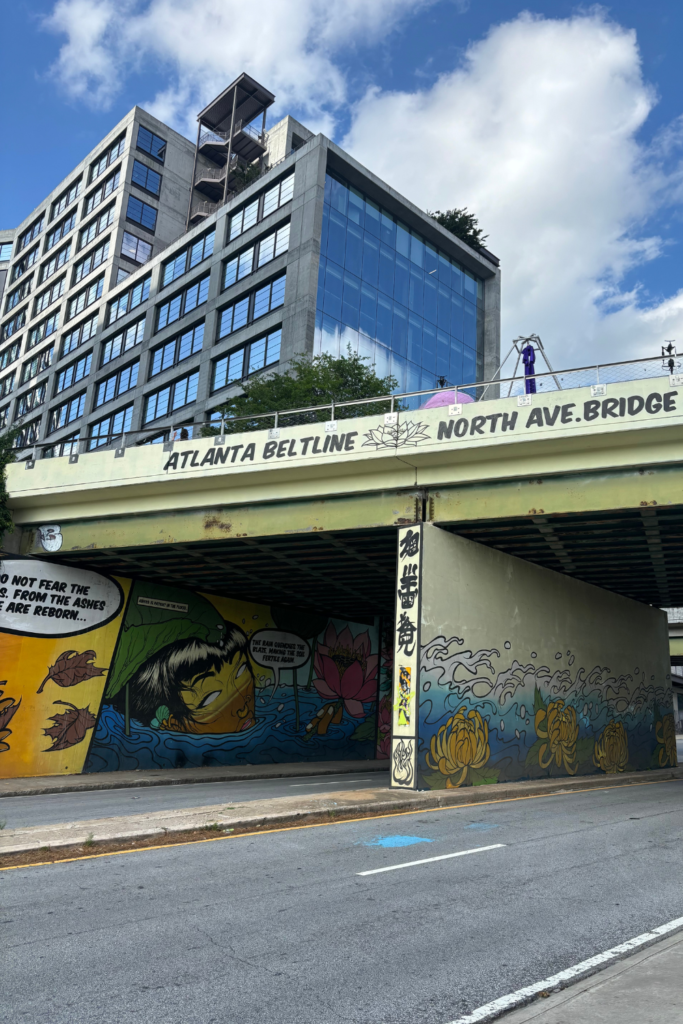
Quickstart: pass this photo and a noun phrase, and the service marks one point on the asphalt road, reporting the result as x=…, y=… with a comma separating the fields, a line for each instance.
x=54, y=808
x=281, y=929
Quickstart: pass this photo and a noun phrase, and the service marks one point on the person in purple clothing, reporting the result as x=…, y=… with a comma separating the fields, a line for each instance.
x=529, y=358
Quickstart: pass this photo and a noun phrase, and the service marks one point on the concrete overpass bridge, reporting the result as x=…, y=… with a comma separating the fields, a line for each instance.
x=588, y=486
x=504, y=667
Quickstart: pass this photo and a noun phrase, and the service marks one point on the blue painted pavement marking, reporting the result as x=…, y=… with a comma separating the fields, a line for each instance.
x=394, y=841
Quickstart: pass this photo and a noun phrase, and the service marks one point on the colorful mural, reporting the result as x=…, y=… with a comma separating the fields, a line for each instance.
x=498, y=716
x=162, y=677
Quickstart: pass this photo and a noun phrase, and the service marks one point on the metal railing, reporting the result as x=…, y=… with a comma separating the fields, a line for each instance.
x=210, y=173
x=206, y=208
x=221, y=138
x=546, y=383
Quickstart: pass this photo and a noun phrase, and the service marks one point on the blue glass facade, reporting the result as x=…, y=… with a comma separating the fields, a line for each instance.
x=393, y=297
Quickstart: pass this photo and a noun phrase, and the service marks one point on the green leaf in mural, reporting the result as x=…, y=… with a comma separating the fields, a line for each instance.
x=434, y=780
x=157, y=616
x=532, y=756
x=365, y=731
x=584, y=749
x=482, y=776
x=539, y=703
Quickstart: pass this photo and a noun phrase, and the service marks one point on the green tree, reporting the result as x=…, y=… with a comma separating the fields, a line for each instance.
x=7, y=455
x=463, y=225
x=309, y=382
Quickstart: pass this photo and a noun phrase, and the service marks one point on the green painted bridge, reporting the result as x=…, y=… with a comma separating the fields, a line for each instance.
x=583, y=481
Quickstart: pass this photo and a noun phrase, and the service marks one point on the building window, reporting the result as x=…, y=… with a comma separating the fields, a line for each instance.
x=23, y=264
x=9, y=354
x=188, y=259
x=41, y=361
x=5, y=252
x=174, y=396
x=152, y=144
x=144, y=177
x=92, y=261
x=15, y=297
x=122, y=274
x=128, y=300
x=69, y=446
x=117, y=384
x=96, y=226
x=252, y=306
x=50, y=295
x=85, y=298
x=256, y=256
x=141, y=213
x=136, y=249
x=393, y=296
x=66, y=413
x=66, y=199
x=191, y=297
x=43, y=330
x=31, y=233
x=112, y=154
x=11, y=327
x=246, y=359
x=177, y=349
x=28, y=435
x=56, y=263
x=102, y=192
x=123, y=341
x=264, y=204
x=7, y=384
x=4, y=417
x=108, y=429
x=73, y=373
x=78, y=336
x=59, y=231
x=30, y=400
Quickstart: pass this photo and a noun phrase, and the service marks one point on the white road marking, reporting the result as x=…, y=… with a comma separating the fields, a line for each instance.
x=558, y=981
x=296, y=785
x=430, y=860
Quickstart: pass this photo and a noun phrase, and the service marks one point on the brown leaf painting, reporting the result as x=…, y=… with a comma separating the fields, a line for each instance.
x=70, y=726
x=71, y=668
x=8, y=708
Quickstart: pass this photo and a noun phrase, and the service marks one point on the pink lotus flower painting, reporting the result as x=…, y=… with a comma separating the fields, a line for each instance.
x=346, y=670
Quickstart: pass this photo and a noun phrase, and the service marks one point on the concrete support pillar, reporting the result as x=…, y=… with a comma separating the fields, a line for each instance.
x=507, y=671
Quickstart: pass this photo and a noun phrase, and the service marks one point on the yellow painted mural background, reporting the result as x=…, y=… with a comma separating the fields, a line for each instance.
x=24, y=664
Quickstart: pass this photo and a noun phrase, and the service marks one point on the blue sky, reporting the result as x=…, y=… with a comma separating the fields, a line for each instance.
x=559, y=128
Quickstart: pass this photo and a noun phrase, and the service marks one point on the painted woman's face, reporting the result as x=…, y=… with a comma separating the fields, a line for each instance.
x=209, y=694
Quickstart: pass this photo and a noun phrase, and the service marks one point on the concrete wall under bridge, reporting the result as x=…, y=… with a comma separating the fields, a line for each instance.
x=508, y=671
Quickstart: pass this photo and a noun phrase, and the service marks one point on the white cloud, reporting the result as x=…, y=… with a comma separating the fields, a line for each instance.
x=537, y=133
x=289, y=45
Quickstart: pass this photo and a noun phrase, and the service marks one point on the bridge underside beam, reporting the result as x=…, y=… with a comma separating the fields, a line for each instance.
x=621, y=530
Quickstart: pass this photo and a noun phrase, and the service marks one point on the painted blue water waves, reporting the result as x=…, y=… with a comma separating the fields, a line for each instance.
x=272, y=740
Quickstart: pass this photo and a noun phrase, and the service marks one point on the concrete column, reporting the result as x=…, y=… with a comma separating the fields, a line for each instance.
x=526, y=673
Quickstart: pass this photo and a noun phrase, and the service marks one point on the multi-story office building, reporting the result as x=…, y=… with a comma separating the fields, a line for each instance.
x=117, y=319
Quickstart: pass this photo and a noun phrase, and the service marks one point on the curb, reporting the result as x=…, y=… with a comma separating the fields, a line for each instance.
x=167, y=777
x=324, y=805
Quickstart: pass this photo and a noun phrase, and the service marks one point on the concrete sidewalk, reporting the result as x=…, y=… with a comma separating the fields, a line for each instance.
x=39, y=785
x=279, y=811
x=645, y=988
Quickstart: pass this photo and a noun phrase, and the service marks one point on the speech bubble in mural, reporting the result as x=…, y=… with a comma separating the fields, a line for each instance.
x=274, y=649
x=42, y=599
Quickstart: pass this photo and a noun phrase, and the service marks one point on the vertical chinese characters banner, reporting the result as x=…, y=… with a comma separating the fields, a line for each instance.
x=406, y=658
